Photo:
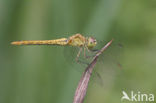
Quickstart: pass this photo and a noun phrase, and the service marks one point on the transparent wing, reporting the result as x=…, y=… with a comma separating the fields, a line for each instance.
x=112, y=56
x=108, y=63
x=70, y=53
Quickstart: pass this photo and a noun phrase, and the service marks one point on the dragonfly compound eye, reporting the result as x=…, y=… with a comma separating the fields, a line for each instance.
x=91, y=42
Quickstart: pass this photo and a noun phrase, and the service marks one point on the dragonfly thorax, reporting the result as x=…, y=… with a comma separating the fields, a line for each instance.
x=91, y=42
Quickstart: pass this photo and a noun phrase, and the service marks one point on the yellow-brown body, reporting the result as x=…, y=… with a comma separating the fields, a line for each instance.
x=76, y=40
x=61, y=41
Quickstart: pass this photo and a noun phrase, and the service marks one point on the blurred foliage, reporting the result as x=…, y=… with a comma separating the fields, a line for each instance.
x=40, y=74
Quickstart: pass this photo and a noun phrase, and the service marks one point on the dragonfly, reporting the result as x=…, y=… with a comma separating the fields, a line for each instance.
x=83, y=43
x=77, y=40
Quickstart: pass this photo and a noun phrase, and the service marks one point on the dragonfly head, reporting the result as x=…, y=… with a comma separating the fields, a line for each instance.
x=91, y=42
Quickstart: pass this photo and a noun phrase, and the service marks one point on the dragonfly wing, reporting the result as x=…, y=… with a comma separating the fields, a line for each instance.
x=107, y=65
x=70, y=53
x=112, y=56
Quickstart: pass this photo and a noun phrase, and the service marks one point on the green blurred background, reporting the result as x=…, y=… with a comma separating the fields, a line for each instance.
x=40, y=74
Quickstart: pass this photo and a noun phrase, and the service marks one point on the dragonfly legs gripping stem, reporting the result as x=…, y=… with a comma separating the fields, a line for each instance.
x=92, y=51
x=85, y=56
x=77, y=58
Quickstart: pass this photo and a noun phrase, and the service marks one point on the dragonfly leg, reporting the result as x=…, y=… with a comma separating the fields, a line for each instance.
x=87, y=57
x=92, y=51
x=85, y=52
x=78, y=54
x=82, y=62
x=77, y=58
x=87, y=48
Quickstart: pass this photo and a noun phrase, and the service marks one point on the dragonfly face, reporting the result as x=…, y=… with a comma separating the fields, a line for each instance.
x=91, y=42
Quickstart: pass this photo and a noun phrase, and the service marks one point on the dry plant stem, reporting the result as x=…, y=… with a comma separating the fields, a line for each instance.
x=83, y=83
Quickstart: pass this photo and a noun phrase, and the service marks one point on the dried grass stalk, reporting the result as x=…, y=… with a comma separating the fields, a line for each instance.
x=83, y=83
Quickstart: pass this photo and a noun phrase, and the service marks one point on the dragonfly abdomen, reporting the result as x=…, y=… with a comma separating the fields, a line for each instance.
x=62, y=41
